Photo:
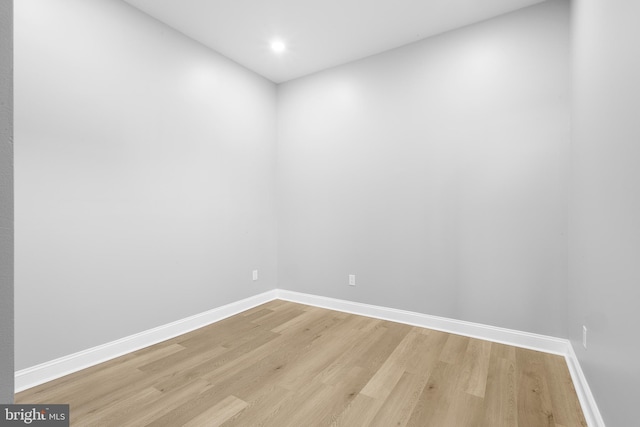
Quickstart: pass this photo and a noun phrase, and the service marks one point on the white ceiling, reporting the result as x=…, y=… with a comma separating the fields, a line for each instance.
x=318, y=33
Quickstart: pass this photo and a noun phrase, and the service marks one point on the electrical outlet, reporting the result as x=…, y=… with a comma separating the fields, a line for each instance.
x=584, y=336
x=352, y=280
x=255, y=275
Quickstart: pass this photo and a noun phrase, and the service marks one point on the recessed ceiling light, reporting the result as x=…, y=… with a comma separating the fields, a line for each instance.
x=278, y=46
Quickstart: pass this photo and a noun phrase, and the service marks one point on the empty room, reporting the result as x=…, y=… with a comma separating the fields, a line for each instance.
x=306, y=213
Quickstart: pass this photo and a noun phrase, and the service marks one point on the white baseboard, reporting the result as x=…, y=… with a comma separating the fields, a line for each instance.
x=35, y=375
x=57, y=368
x=475, y=330
x=528, y=340
x=587, y=401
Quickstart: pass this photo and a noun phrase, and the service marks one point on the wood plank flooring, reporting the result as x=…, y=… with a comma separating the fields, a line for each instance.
x=286, y=364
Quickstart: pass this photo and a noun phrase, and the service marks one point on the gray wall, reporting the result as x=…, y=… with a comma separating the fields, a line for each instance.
x=604, y=289
x=6, y=201
x=145, y=173
x=437, y=174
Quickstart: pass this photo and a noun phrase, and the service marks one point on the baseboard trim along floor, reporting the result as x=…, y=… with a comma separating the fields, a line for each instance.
x=512, y=337
x=57, y=368
x=44, y=372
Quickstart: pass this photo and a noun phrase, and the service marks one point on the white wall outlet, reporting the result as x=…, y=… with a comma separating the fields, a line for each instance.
x=255, y=275
x=352, y=280
x=584, y=336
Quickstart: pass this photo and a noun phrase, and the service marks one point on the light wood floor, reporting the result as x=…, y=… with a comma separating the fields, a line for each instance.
x=285, y=364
